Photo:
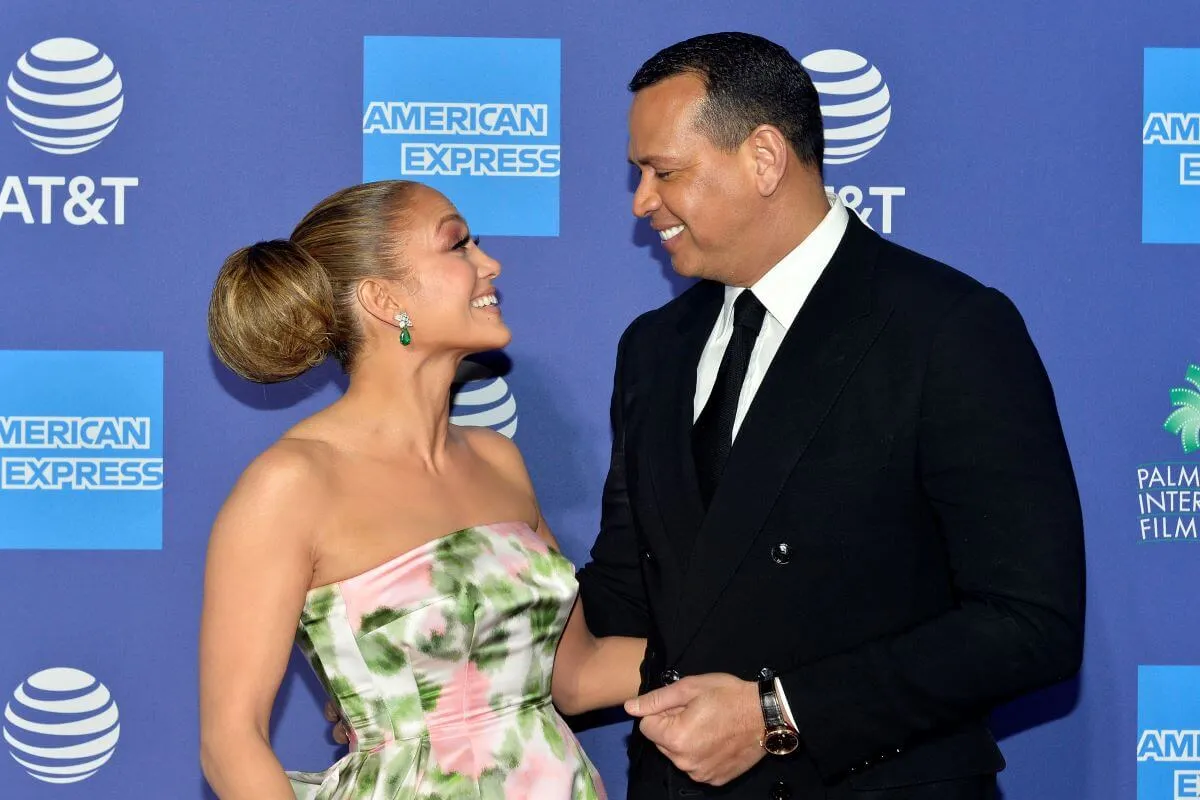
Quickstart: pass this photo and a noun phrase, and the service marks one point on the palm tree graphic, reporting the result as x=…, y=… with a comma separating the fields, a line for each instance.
x=1185, y=419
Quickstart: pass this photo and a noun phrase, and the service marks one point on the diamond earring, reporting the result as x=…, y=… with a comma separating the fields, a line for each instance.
x=405, y=322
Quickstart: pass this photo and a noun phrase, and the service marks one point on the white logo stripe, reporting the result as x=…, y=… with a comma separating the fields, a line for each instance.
x=867, y=82
x=86, y=750
x=83, y=122
x=97, y=96
x=859, y=108
x=89, y=767
x=92, y=73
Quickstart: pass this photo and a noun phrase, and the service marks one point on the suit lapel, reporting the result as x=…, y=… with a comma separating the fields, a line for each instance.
x=823, y=347
x=672, y=468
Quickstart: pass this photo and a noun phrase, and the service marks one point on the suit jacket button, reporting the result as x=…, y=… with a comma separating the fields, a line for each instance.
x=781, y=791
x=647, y=555
x=781, y=553
x=670, y=676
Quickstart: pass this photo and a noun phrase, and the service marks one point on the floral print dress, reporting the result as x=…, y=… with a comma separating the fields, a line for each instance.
x=440, y=661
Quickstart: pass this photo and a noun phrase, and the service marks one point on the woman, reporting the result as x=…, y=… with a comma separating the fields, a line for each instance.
x=409, y=554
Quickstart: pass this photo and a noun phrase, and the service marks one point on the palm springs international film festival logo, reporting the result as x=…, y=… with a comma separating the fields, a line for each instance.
x=81, y=450
x=1169, y=491
x=856, y=107
x=476, y=118
x=1171, y=146
x=62, y=725
x=1168, y=744
x=64, y=97
x=483, y=400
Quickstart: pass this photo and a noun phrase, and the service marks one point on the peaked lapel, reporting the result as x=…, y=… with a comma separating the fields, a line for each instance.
x=825, y=344
x=672, y=469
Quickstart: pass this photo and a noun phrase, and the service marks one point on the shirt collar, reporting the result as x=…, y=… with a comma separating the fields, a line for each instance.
x=787, y=285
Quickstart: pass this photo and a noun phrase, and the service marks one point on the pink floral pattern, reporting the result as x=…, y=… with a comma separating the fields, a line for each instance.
x=441, y=661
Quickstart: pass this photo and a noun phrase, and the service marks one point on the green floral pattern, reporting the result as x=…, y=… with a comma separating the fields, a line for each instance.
x=440, y=661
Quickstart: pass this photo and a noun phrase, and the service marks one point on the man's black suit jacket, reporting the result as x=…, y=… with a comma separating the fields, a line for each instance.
x=897, y=533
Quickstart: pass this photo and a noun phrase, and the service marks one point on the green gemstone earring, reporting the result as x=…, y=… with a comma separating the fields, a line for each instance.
x=405, y=322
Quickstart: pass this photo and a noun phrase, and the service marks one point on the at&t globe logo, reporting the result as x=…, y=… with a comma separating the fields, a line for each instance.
x=483, y=400
x=61, y=725
x=65, y=96
x=855, y=103
x=856, y=107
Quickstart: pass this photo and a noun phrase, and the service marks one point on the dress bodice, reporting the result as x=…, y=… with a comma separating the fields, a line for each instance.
x=441, y=661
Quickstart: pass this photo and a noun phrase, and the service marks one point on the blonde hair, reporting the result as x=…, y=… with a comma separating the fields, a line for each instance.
x=280, y=307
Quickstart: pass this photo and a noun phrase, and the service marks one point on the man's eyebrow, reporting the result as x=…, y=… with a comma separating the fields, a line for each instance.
x=650, y=159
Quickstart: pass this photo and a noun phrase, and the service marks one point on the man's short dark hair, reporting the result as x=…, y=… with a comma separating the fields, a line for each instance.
x=751, y=81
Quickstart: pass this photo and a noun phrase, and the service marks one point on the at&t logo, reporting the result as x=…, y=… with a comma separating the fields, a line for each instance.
x=65, y=97
x=61, y=725
x=856, y=107
x=483, y=400
x=72, y=100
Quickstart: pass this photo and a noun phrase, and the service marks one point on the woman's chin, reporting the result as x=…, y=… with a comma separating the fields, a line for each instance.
x=504, y=339
x=499, y=336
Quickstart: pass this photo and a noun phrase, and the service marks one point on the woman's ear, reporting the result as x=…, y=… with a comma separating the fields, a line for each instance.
x=378, y=298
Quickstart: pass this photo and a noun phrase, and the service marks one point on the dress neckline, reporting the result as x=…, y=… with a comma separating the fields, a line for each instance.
x=415, y=551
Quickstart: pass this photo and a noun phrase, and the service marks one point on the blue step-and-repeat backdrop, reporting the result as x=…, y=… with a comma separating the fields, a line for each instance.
x=143, y=141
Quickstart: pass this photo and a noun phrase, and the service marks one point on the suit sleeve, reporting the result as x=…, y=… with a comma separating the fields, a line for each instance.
x=995, y=470
x=611, y=585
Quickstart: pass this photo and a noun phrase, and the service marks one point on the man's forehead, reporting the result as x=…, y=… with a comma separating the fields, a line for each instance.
x=668, y=99
x=660, y=135
x=684, y=84
x=657, y=147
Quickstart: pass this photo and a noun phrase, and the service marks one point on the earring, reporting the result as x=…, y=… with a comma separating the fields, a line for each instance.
x=405, y=322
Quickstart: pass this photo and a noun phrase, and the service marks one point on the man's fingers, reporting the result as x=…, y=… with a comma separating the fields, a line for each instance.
x=654, y=728
x=669, y=735
x=681, y=761
x=658, y=701
x=340, y=734
x=331, y=713
x=663, y=730
x=675, y=756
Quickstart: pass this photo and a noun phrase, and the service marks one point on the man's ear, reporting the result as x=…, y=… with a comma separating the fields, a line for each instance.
x=771, y=156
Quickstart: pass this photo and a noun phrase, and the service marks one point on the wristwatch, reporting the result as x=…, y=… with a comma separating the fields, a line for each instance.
x=779, y=738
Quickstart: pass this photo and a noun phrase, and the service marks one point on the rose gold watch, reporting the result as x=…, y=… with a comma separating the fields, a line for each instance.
x=779, y=738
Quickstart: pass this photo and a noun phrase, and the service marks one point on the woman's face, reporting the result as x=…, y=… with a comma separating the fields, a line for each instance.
x=448, y=293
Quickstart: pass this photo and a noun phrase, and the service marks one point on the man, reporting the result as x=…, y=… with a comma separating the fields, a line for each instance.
x=840, y=505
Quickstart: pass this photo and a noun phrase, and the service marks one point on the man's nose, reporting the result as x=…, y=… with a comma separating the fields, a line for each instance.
x=645, y=199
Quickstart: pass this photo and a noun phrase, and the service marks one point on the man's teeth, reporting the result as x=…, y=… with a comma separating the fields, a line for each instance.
x=485, y=301
x=670, y=233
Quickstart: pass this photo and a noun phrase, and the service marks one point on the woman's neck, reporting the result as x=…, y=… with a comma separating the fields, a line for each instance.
x=403, y=406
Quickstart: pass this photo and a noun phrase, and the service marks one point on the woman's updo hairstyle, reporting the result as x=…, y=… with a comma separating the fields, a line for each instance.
x=279, y=307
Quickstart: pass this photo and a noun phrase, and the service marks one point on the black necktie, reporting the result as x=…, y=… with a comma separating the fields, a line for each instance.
x=712, y=435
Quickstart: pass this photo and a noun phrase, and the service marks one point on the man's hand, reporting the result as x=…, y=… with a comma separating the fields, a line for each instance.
x=341, y=734
x=708, y=725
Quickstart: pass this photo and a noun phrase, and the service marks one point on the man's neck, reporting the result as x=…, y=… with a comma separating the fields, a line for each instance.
x=788, y=223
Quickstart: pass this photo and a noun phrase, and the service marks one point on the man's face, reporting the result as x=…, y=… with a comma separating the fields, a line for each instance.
x=698, y=197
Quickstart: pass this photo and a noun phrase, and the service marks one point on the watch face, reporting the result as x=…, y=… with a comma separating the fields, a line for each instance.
x=781, y=741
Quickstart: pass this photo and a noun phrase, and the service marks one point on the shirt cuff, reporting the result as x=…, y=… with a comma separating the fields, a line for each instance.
x=783, y=704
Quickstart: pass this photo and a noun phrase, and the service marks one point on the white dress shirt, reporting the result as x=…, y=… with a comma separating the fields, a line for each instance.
x=783, y=291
